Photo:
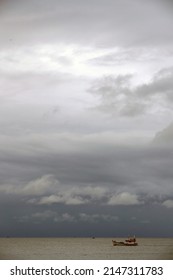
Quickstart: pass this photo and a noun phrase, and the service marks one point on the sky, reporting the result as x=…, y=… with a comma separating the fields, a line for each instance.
x=86, y=118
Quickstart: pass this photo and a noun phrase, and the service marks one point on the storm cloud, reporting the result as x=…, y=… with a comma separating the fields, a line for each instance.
x=86, y=118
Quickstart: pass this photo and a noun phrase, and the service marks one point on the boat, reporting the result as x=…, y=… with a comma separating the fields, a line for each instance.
x=131, y=241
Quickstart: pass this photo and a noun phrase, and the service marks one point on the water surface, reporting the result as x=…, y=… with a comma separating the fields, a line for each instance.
x=84, y=249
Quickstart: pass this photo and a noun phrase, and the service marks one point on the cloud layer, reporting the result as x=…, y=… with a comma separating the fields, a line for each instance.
x=86, y=117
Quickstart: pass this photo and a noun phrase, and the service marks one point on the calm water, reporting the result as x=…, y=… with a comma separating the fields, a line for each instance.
x=84, y=249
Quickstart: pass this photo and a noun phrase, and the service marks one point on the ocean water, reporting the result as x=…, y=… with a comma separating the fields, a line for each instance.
x=84, y=249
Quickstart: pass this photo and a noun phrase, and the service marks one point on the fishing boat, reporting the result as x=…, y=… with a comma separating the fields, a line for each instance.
x=131, y=241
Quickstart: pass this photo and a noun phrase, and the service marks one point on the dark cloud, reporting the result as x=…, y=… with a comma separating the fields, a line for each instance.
x=65, y=173
x=83, y=162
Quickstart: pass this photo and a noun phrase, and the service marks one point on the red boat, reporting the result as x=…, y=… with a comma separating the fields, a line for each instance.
x=131, y=241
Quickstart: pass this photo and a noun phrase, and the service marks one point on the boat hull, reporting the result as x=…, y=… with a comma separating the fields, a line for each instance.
x=116, y=243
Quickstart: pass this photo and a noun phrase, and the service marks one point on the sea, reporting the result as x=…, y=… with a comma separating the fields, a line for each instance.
x=84, y=249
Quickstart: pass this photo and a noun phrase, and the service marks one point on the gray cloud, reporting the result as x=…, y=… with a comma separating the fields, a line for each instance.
x=71, y=218
x=164, y=137
x=75, y=161
x=124, y=199
x=40, y=186
x=168, y=203
x=109, y=169
x=117, y=95
x=123, y=23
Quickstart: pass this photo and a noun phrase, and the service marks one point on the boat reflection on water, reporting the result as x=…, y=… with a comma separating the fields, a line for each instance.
x=131, y=241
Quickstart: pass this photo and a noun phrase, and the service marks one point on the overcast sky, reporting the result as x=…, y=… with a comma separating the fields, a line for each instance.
x=86, y=117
